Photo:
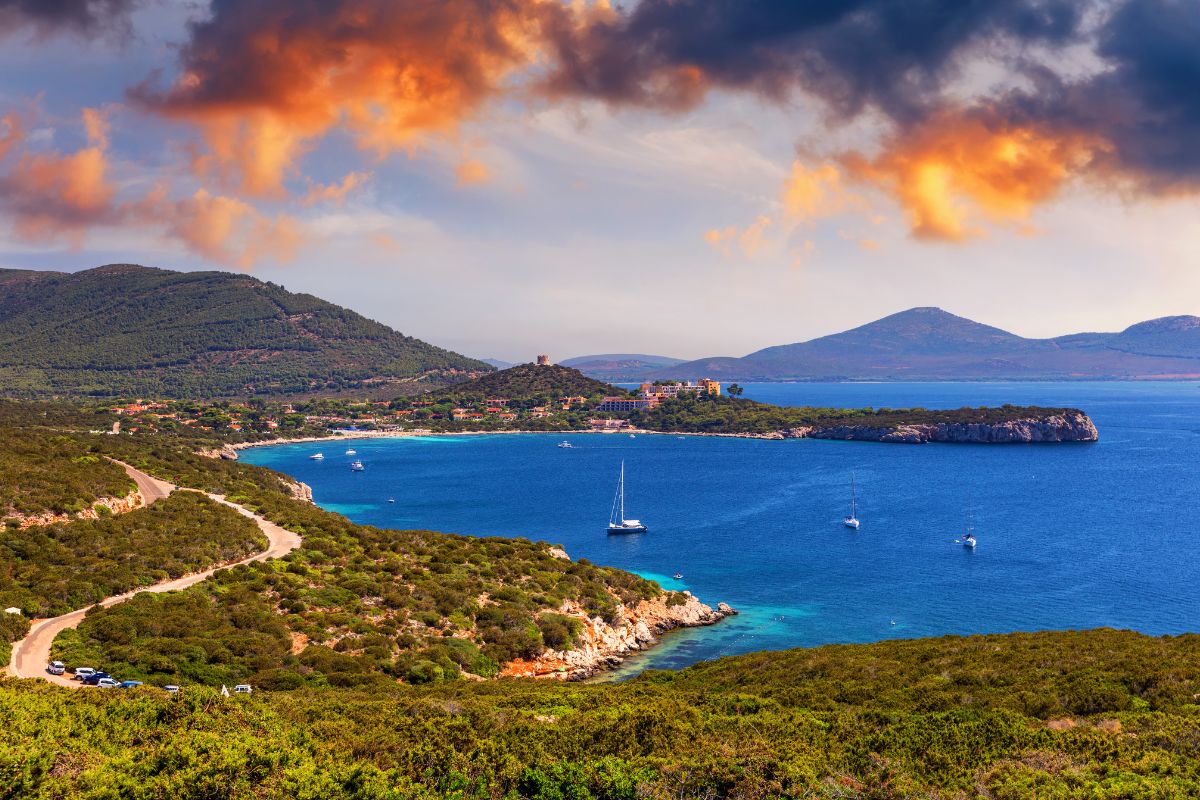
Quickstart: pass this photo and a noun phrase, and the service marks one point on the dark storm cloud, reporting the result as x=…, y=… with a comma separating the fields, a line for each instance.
x=81, y=16
x=894, y=56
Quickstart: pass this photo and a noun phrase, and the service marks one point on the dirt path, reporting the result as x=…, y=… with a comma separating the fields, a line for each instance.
x=31, y=654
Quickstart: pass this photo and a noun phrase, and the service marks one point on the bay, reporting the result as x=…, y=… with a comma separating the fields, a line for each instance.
x=1070, y=535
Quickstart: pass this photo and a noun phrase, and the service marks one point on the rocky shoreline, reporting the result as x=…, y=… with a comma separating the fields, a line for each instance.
x=1071, y=427
x=603, y=645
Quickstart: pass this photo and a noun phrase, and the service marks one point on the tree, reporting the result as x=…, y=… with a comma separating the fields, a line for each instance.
x=734, y=390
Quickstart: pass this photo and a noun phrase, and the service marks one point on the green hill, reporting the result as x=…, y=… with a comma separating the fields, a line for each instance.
x=532, y=380
x=126, y=330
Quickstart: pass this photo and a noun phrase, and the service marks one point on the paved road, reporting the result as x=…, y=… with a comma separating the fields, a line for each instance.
x=31, y=654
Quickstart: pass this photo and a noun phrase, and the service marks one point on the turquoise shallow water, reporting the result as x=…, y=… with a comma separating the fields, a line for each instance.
x=1070, y=536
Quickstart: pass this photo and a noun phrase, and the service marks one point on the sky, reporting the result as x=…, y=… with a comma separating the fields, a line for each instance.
x=681, y=177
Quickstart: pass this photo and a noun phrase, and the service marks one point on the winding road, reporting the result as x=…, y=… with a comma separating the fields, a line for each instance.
x=31, y=654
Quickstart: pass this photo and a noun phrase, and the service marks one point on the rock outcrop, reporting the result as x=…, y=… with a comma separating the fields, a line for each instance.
x=226, y=452
x=115, y=505
x=603, y=645
x=1072, y=427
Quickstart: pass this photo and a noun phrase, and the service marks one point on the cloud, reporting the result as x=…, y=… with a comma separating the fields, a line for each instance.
x=49, y=197
x=44, y=17
x=263, y=80
x=334, y=192
x=471, y=173
x=958, y=170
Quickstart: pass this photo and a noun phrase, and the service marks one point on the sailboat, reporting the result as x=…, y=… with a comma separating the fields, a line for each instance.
x=356, y=466
x=616, y=520
x=968, y=541
x=852, y=520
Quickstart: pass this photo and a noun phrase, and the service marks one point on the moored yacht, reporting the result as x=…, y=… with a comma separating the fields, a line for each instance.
x=317, y=456
x=616, y=520
x=852, y=520
x=356, y=466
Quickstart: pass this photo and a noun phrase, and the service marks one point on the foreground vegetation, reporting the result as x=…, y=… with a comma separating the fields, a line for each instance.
x=1097, y=714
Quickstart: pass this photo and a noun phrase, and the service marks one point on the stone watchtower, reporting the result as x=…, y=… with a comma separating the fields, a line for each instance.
x=544, y=361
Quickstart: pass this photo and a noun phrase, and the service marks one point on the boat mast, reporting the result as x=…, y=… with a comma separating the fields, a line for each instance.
x=853, y=498
x=621, y=490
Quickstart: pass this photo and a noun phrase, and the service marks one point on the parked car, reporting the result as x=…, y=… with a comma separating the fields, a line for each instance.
x=56, y=668
x=242, y=688
x=107, y=683
x=130, y=684
x=171, y=688
x=81, y=673
x=95, y=677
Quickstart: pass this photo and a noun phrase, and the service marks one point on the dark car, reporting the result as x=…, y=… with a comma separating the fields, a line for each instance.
x=94, y=678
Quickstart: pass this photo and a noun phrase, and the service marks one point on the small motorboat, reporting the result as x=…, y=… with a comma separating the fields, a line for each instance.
x=351, y=452
x=391, y=499
x=356, y=466
x=565, y=444
x=678, y=576
x=317, y=456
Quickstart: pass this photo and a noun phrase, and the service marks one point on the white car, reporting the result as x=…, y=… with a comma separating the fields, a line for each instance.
x=171, y=688
x=243, y=688
x=107, y=683
x=56, y=668
x=81, y=673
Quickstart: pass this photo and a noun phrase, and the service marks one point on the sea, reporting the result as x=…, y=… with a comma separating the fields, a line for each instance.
x=1070, y=536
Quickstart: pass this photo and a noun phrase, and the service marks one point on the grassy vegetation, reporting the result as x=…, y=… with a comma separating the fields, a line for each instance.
x=132, y=331
x=704, y=414
x=1098, y=714
x=54, y=569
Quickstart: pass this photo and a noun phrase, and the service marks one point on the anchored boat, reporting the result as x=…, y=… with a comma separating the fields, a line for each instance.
x=852, y=520
x=616, y=520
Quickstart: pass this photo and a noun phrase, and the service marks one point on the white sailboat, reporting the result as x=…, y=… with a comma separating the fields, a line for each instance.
x=616, y=520
x=968, y=541
x=317, y=456
x=852, y=520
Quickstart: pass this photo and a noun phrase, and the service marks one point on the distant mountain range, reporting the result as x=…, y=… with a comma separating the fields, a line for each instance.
x=620, y=366
x=127, y=330
x=932, y=344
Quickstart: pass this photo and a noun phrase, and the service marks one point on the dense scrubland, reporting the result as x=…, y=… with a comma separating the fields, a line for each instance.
x=1097, y=714
x=352, y=605
x=52, y=569
x=705, y=414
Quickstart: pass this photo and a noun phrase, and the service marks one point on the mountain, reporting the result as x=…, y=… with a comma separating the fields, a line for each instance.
x=127, y=330
x=932, y=344
x=531, y=380
x=620, y=366
x=497, y=363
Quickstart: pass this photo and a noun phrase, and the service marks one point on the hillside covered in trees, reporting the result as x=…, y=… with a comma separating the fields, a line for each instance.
x=126, y=330
x=532, y=382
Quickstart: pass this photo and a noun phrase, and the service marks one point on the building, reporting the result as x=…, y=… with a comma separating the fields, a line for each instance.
x=544, y=361
x=626, y=403
x=608, y=424
x=662, y=391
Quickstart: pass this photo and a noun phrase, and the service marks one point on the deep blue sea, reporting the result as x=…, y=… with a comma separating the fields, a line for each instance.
x=1070, y=535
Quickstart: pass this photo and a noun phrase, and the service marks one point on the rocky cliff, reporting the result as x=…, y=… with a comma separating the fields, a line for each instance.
x=1072, y=427
x=602, y=645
